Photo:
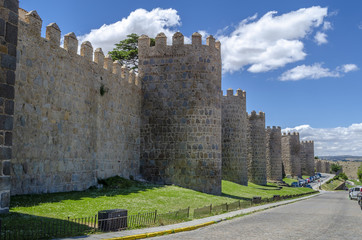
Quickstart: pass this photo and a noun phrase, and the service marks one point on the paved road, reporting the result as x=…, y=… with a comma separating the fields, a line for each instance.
x=325, y=177
x=328, y=216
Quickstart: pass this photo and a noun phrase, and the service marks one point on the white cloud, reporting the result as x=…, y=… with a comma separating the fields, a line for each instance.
x=320, y=38
x=332, y=141
x=327, y=25
x=349, y=67
x=271, y=41
x=315, y=71
x=139, y=21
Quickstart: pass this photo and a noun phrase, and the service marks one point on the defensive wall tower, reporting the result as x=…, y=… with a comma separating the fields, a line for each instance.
x=8, y=47
x=291, y=154
x=234, y=137
x=274, y=153
x=318, y=165
x=307, y=157
x=256, y=148
x=181, y=112
x=325, y=167
x=77, y=117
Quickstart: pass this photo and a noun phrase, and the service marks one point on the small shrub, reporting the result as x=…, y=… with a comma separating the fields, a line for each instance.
x=335, y=167
x=117, y=182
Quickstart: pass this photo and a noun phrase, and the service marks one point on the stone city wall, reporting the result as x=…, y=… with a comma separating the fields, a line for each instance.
x=181, y=112
x=307, y=157
x=274, y=154
x=8, y=44
x=291, y=154
x=318, y=165
x=77, y=117
x=234, y=137
x=257, y=148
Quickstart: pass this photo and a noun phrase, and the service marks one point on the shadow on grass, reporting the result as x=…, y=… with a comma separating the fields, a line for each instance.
x=25, y=226
x=235, y=197
x=37, y=199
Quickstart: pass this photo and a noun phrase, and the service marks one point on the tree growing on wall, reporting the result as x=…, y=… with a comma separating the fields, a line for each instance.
x=126, y=51
x=359, y=173
x=335, y=167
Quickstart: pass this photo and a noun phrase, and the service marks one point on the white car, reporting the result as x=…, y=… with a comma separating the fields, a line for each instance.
x=354, y=191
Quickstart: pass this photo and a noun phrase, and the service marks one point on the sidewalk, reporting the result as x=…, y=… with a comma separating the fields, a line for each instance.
x=185, y=226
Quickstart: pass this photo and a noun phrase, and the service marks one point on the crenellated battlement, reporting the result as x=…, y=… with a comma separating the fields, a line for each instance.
x=33, y=24
x=239, y=93
x=178, y=46
x=254, y=115
x=273, y=128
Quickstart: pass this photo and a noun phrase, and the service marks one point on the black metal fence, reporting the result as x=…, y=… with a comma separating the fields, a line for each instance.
x=48, y=228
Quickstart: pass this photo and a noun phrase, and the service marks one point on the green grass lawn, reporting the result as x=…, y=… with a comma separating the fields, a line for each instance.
x=289, y=181
x=135, y=197
x=332, y=185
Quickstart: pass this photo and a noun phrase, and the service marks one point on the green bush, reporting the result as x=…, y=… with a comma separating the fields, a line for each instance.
x=343, y=176
x=335, y=167
x=117, y=182
x=359, y=173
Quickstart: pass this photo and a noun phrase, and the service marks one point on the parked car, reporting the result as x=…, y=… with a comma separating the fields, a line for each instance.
x=354, y=191
x=307, y=180
x=312, y=178
x=294, y=184
x=302, y=183
x=308, y=186
x=319, y=174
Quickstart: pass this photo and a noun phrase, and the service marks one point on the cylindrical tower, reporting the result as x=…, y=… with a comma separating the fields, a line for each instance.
x=291, y=154
x=274, y=153
x=234, y=137
x=307, y=157
x=181, y=112
x=256, y=148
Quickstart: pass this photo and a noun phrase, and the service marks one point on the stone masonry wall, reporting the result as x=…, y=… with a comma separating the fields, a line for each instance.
x=318, y=165
x=234, y=137
x=76, y=119
x=8, y=44
x=256, y=149
x=307, y=157
x=291, y=154
x=274, y=153
x=181, y=112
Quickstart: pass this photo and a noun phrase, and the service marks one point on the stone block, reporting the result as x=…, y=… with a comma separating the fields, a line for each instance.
x=10, y=77
x=5, y=183
x=11, y=33
x=6, y=91
x=5, y=200
x=9, y=107
x=8, y=61
x=8, y=138
x=13, y=18
x=2, y=27
x=12, y=5
x=6, y=122
x=6, y=168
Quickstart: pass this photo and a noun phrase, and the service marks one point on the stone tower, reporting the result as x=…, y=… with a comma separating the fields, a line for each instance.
x=181, y=112
x=256, y=148
x=307, y=157
x=274, y=153
x=8, y=46
x=291, y=154
x=234, y=137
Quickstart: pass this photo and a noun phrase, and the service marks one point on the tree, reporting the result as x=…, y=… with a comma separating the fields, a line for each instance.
x=359, y=173
x=126, y=51
x=335, y=167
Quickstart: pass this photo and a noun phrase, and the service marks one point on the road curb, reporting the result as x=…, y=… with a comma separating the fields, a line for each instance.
x=160, y=233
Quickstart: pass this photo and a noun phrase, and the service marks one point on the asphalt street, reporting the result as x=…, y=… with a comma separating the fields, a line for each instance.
x=328, y=216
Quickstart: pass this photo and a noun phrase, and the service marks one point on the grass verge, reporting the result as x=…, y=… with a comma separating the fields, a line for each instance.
x=134, y=196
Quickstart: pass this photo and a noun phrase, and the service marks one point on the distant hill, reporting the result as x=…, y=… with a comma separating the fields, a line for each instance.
x=343, y=158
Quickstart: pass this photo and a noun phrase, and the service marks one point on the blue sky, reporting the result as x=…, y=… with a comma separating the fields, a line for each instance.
x=299, y=61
